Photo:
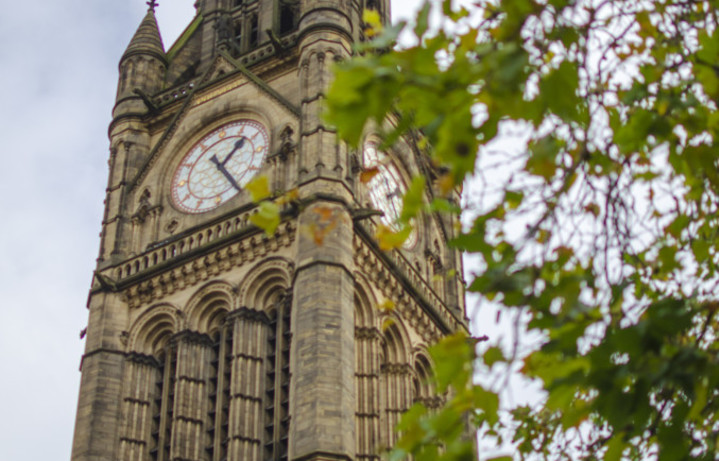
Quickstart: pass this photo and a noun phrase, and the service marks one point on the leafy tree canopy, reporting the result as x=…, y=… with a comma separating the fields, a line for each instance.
x=604, y=233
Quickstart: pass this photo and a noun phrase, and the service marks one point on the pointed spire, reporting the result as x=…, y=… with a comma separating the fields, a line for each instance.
x=147, y=39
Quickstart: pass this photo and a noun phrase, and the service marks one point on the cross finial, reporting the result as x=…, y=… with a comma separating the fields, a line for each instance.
x=152, y=4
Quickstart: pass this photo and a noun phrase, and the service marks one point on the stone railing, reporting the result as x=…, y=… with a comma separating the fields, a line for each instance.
x=170, y=249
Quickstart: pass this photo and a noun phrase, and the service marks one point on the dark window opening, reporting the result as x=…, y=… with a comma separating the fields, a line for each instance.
x=254, y=31
x=162, y=404
x=277, y=389
x=287, y=19
x=238, y=34
x=237, y=3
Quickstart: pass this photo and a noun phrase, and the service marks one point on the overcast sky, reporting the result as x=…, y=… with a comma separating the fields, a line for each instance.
x=58, y=81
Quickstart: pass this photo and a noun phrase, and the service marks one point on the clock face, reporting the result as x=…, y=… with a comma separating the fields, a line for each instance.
x=219, y=165
x=386, y=189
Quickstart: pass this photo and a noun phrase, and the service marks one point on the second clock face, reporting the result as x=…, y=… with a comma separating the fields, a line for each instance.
x=217, y=167
x=386, y=189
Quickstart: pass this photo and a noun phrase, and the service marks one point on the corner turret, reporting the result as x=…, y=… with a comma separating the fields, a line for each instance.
x=142, y=67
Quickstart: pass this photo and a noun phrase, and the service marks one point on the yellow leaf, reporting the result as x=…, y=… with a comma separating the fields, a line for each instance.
x=445, y=183
x=267, y=217
x=372, y=21
x=289, y=196
x=388, y=322
x=389, y=239
x=543, y=236
x=387, y=305
x=259, y=188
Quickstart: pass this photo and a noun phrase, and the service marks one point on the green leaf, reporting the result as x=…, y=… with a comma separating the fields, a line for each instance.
x=558, y=90
x=413, y=200
x=422, y=19
x=488, y=402
x=493, y=355
x=615, y=448
x=259, y=188
x=542, y=161
x=267, y=217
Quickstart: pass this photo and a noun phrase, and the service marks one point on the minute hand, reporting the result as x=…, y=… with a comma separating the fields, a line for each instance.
x=220, y=166
x=238, y=145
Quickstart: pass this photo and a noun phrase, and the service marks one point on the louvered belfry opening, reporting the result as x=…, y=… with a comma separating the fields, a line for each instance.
x=277, y=386
x=219, y=393
x=163, y=403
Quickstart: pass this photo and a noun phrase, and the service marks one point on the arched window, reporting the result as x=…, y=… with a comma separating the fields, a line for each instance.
x=396, y=385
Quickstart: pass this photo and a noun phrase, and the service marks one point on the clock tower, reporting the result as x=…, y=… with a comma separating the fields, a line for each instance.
x=209, y=340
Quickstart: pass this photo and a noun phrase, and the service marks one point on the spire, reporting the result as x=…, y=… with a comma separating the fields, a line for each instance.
x=147, y=39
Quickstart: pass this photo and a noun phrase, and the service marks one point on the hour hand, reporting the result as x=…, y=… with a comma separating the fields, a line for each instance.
x=220, y=166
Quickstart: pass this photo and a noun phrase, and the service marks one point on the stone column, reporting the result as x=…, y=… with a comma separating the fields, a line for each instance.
x=98, y=410
x=322, y=395
x=247, y=384
x=191, y=399
x=139, y=385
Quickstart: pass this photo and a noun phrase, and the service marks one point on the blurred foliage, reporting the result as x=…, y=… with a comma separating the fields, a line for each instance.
x=604, y=233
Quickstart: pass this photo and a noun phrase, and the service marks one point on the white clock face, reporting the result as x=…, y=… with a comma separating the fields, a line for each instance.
x=386, y=189
x=217, y=167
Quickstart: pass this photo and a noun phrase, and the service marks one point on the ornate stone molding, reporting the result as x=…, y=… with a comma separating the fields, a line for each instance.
x=168, y=280
x=142, y=359
x=367, y=333
x=246, y=313
x=193, y=337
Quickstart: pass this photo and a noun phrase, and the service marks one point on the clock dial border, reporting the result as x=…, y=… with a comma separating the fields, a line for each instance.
x=215, y=168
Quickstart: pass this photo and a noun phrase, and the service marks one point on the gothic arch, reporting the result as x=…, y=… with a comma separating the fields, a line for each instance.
x=266, y=283
x=395, y=341
x=208, y=307
x=365, y=303
x=422, y=368
x=153, y=329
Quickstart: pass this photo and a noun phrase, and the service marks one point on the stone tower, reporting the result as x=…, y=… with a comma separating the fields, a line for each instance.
x=209, y=340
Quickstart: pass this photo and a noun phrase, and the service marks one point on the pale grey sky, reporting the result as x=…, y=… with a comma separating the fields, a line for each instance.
x=58, y=81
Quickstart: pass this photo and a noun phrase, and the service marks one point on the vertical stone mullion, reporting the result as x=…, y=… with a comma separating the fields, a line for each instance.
x=246, y=389
x=136, y=424
x=191, y=397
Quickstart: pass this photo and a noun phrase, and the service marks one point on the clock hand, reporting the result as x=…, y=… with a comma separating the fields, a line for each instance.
x=221, y=165
x=223, y=170
x=238, y=145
